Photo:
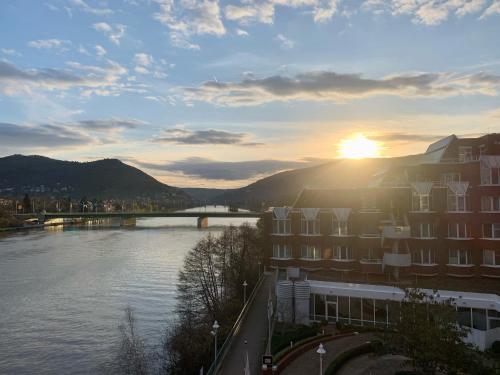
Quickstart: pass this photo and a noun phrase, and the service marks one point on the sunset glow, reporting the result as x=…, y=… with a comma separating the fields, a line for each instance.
x=358, y=147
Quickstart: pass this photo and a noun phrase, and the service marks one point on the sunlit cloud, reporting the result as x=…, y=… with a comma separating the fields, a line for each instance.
x=337, y=87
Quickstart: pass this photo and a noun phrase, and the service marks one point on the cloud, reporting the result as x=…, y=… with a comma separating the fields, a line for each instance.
x=143, y=59
x=187, y=18
x=493, y=9
x=331, y=86
x=427, y=12
x=221, y=170
x=284, y=42
x=10, y=52
x=64, y=134
x=405, y=137
x=83, y=6
x=203, y=137
x=99, y=50
x=241, y=32
x=14, y=79
x=40, y=136
x=48, y=43
x=252, y=13
x=111, y=124
x=113, y=32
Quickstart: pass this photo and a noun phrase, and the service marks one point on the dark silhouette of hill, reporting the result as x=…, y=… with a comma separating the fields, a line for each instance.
x=283, y=188
x=101, y=179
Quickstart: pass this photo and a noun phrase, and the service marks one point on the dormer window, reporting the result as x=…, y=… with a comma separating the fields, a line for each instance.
x=340, y=225
x=281, y=220
x=421, y=196
x=457, y=196
x=309, y=222
x=464, y=153
x=490, y=170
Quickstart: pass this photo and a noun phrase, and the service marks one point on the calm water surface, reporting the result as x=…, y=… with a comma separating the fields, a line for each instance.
x=63, y=292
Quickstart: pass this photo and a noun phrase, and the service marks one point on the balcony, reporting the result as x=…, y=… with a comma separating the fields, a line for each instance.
x=460, y=270
x=397, y=260
x=421, y=269
x=367, y=265
x=490, y=271
x=396, y=232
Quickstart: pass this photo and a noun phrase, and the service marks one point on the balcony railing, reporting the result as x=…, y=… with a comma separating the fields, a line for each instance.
x=396, y=232
x=397, y=260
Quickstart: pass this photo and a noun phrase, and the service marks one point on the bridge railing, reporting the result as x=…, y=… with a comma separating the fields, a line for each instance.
x=221, y=353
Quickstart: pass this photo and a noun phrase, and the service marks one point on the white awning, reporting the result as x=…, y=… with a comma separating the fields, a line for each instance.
x=342, y=214
x=281, y=213
x=459, y=188
x=490, y=161
x=422, y=188
x=310, y=213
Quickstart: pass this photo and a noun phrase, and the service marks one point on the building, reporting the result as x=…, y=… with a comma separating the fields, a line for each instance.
x=430, y=221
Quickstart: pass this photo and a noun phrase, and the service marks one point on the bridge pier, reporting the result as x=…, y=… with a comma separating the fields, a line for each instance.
x=202, y=222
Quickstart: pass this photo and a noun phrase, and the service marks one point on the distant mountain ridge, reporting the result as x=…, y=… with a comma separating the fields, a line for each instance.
x=101, y=179
x=283, y=188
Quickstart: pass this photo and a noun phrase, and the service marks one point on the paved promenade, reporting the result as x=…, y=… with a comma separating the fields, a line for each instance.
x=308, y=363
x=254, y=331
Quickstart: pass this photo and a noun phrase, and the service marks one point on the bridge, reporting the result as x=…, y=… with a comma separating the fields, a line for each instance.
x=202, y=216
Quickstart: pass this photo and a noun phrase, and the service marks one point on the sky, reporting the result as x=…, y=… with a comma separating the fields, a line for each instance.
x=209, y=93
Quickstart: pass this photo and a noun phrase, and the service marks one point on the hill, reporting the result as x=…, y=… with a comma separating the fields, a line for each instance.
x=101, y=179
x=283, y=188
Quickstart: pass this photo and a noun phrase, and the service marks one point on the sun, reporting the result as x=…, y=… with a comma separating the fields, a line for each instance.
x=357, y=147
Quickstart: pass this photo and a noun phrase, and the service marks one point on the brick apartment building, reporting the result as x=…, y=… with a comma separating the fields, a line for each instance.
x=429, y=220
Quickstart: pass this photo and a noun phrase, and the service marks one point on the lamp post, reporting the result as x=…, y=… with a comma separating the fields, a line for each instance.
x=259, y=263
x=245, y=292
x=215, y=327
x=321, y=350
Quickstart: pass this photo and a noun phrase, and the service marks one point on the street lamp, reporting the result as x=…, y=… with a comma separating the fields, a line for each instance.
x=215, y=327
x=245, y=292
x=321, y=350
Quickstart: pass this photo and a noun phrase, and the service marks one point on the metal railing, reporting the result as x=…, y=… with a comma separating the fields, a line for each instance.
x=221, y=353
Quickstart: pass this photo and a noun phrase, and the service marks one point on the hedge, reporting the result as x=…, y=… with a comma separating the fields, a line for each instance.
x=344, y=357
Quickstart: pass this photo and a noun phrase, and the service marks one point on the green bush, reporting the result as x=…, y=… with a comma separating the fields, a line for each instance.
x=495, y=348
x=281, y=340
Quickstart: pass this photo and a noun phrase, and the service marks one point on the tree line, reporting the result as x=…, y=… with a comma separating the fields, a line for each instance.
x=210, y=288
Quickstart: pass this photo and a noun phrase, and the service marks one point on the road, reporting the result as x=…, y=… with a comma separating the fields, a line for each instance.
x=254, y=331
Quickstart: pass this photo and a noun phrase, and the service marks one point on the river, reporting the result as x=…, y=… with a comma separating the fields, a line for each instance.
x=63, y=292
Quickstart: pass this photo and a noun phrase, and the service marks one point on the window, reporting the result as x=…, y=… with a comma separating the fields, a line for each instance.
x=482, y=150
x=459, y=257
x=423, y=256
x=282, y=226
x=450, y=177
x=491, y=230
x=310, y=252
x=282, y=251
x=421, y=202
x=309, y=227
x=491, y=258
x=490, y=176
x=342, y=253
x=340, y=228
x=464, y=153
x=490, y=203
x=423, y=230
x=456, y=202
x=458, y=230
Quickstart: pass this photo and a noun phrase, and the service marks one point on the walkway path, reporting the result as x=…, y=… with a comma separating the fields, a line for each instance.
x=254, y=331
x=308, y=363
x=370, y=364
